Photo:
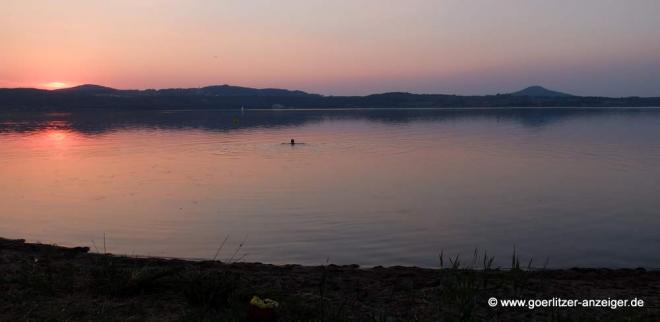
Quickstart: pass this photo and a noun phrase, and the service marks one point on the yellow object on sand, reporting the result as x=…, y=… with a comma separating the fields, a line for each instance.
x=264, y=304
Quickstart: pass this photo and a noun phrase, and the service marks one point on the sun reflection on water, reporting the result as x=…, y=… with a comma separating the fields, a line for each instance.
x=56, y=137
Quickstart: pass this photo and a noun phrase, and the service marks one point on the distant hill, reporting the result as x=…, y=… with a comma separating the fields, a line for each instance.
x=227, y=90
x=235, y=97
x=539, y=91
x=87, y=89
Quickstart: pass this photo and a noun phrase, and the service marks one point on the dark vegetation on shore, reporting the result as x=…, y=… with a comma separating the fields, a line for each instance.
x=51, y=283
x=234, y=97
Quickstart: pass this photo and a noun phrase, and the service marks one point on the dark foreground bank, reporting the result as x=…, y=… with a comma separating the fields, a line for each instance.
x=44, y=282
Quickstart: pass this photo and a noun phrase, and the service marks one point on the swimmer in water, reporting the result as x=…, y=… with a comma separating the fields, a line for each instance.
x=293, y=141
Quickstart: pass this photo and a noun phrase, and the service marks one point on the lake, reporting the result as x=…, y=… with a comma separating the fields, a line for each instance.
x=580, y=187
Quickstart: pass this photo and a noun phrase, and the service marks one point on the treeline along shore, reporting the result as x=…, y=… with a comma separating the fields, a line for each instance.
x=41, y=282
x=235, y=97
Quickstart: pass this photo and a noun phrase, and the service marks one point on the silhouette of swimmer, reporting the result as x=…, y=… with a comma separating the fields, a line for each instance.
x=293, y=142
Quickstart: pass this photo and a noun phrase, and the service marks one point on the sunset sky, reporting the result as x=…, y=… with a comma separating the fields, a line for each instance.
x=585, y=47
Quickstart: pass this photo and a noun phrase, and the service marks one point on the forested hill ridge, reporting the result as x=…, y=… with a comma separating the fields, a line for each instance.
x=234, y=97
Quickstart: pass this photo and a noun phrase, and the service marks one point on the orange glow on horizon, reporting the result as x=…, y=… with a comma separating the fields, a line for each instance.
x=56, y=85
x=421, y=46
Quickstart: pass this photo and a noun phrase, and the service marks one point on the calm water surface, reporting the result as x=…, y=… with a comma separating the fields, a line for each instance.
x=580, y=187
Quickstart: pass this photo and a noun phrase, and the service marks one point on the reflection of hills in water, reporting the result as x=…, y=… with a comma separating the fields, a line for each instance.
x=96, y=122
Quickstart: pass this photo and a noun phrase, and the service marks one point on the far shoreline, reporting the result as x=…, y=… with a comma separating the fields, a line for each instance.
x=312, y=109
